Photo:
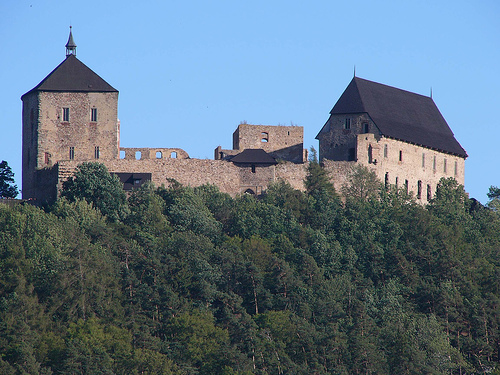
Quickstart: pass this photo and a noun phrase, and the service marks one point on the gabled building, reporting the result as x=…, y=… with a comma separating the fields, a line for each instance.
x=401, y=135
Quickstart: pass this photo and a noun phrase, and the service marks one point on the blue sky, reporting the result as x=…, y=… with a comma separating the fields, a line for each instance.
x=189, y=72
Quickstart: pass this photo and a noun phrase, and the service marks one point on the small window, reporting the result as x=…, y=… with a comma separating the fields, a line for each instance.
x=370, y=154
x=386, y=180
x=386, y=151
x=253, y=168
x=400, y=155
x=429, y=195
x=366, y=128
x=138, y=155
x=444, y=165
x=434, y=164
x=406, y=186
x=47, y=158
x=66, y=114
x=419, y=189
x=423, y=160
x=397, y=182
x=173, y=155
x=347, y=123
x=456, y=168
x=158, y=154
x=249, y=191
x=71, y=153
x=264, y=137
x=122, y=154
x=93, y=114
x=96, y=152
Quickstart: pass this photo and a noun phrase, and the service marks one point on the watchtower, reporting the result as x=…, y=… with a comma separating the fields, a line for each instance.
x=72, y=114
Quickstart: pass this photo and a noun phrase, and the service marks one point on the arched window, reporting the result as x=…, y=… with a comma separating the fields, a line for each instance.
x=264, y=137
x=159, y=154
x=249, y=191
x=173, y=155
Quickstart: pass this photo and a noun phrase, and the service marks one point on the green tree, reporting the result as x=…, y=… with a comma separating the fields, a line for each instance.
x=317, y=179
x=96, y=185
x=7, y=187
x=362, y=184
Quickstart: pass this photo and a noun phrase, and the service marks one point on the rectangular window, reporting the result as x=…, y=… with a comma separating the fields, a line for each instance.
x=419, y=189
x=406, y=186
x=434, y=164
x=96, y=152
x=366, y=128
x=423, y=160
x=71, y=153
x=66, y=114
x=456, y=168
x=386, y=151
x=47, y=158
x=253, y=168
x=400, y=155
x=93, y=114
x=444, y=165
x=347, y=124
x=429, y=195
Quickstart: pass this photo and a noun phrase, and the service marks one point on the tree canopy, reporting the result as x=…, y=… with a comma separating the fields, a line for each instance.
x=193, y=281
x=7, y=187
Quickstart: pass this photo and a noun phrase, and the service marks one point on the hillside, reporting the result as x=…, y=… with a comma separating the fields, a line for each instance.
x=191, y=281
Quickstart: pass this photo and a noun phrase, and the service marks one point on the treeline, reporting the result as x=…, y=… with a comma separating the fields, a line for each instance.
x=179, y=280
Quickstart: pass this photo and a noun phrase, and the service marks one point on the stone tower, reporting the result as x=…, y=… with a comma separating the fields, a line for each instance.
x=72, y=114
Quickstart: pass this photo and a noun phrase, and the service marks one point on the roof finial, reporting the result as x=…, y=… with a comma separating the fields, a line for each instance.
x=70, y=46
x=431, y=92
x=354, y=70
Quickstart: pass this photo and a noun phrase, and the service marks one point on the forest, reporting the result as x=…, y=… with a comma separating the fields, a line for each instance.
x=181, y=280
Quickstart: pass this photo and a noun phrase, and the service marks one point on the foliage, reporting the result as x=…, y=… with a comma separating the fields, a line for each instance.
x=7, y=187
x=192, y=281
x=93, y=183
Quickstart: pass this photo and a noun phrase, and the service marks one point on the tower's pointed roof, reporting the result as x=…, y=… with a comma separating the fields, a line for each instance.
x=71, y=42
x=399, y=114
x=73, y=76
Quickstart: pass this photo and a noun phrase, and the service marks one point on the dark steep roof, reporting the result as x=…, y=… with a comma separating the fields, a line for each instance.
x=253, y=156
x=399, y=114
x=73, y=75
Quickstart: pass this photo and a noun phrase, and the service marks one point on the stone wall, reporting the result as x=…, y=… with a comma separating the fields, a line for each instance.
x=404, y=164
x=282, y=142
x=47, y=138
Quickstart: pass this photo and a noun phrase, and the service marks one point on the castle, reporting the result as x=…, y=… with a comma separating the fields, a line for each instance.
x=71, y=117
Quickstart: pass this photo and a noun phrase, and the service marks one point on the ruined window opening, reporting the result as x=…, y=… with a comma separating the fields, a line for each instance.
x=96, y=152
x=249, y=191
x=122, y=154
x=138, y=155
x=347, y=124
x=366, y=128
x=173, y=155
x=444, y=165
x=400, y=155
x=264, y=137
x=66, y=114
x=71, y=153
x=419, y=189
x=93, y=114
x=253, y=168
x=429, y=195
x=423, y=160
x=406, y=186
x=47, y=158
x=386, y=150
x=386, y=180
x=352, y=154
x=434, y=164
x=158, y=154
